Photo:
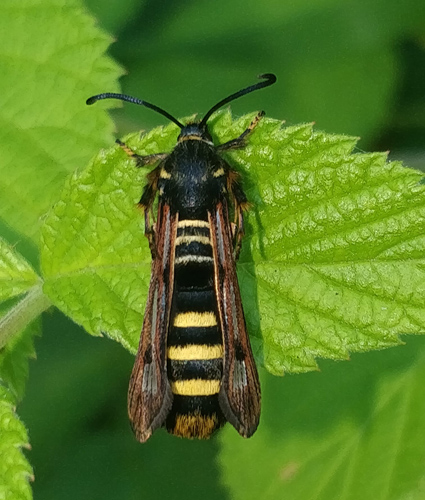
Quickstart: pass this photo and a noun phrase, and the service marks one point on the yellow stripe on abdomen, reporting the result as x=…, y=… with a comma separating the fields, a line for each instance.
x=195, y=387
x=186, y=240
x=194, y=319
x=192, y=223
x=195, y=351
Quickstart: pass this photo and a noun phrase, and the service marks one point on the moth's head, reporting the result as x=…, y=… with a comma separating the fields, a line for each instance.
x=195, y=132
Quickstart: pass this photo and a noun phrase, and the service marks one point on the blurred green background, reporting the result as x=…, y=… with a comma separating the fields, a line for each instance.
x=351, y=67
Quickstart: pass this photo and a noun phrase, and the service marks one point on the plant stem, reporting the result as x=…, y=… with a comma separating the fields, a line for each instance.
x=23, y=313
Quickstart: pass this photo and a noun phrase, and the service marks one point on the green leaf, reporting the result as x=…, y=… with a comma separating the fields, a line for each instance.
x=51, y=62
x=354, y=431
x=15, y=471
x=16, y=275
x=332, y=262
x=339, y=253
x=14, y=359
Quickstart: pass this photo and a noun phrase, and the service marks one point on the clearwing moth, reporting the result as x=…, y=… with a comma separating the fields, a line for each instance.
x=194, y=369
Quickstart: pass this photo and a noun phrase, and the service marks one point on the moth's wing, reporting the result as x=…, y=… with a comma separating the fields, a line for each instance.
x=240, y=396
x=149, y=393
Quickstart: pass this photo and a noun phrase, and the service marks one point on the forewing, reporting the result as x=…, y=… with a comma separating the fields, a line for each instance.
x=149, y=393
x=240, y=397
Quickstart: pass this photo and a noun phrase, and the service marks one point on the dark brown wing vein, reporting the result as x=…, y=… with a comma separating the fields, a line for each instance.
x=149, y=393
x=239, y=397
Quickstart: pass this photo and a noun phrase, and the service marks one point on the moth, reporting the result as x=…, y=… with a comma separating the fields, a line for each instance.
x=194, y=369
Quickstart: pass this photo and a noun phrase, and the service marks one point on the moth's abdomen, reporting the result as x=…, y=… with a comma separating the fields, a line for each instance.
x=194, y=344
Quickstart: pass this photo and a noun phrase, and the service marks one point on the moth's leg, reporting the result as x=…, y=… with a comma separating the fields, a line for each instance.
x=150, y=232
x=141, y=161
x=149, y=227
x=239, y=142
x=240, y=204
x=240, y=232
x=146, y=203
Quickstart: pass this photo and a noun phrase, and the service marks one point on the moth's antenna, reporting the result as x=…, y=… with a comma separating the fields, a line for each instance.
x=269, y=78
x=134, y=100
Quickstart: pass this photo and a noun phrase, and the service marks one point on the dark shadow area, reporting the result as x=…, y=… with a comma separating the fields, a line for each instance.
x=406, y=128
x=314, y=402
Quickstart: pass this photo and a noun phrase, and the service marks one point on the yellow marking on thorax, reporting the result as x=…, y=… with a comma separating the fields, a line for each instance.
x=185, y=240
x=219, y=172
x=195, y=138
x=195, y=351
x=193, y=223
x=191, y=138
x=195, y=387
x=188, y=319
x=195, y=425
x=164, y=174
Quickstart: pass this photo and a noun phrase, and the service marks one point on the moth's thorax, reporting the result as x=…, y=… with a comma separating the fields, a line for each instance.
x=192, y=179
